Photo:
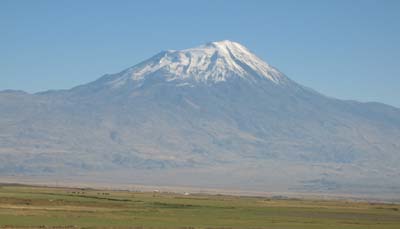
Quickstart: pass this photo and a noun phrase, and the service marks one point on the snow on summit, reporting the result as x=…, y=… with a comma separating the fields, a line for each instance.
x=210, y=63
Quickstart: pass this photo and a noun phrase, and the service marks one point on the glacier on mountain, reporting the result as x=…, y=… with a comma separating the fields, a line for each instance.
x=210, y=63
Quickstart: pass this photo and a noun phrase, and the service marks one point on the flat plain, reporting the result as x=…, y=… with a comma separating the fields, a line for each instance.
x=46, y=207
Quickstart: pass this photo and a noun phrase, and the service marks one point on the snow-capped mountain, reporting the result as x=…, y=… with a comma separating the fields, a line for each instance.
x=208, y=111
x=211, y=63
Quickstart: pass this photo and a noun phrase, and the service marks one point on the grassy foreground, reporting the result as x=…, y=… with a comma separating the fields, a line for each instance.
x=25, y=207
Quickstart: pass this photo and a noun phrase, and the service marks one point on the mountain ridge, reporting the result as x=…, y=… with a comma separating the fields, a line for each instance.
x=152, y=123
x=211, y=63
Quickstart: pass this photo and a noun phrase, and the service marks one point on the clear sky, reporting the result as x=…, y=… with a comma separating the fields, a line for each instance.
x=346, y=49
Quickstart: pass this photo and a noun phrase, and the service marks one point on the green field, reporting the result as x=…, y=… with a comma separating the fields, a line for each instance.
x=26, y=207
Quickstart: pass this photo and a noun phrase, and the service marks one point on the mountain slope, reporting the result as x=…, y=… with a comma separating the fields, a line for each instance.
x=212, y=107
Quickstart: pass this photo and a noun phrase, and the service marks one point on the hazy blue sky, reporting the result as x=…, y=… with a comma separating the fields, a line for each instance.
x=346, y=49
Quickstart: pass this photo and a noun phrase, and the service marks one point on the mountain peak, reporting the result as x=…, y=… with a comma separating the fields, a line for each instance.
x=210, y=63
x=225, y=44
